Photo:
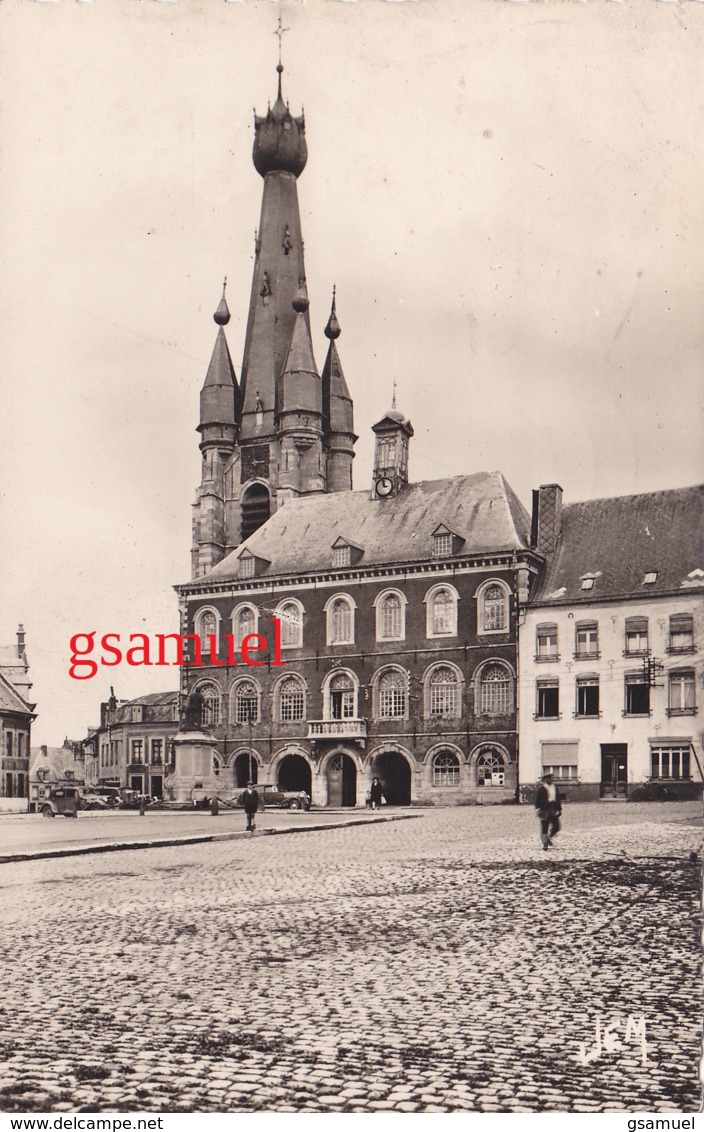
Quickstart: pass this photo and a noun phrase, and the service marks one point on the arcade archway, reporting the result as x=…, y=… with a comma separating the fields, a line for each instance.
x=394, y=771
x=294, y=774
x=341, y=774
x=246, y=769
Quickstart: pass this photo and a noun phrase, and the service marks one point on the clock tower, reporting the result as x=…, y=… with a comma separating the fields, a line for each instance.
x=393, y=433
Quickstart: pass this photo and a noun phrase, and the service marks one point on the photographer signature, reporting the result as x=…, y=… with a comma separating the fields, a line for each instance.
x=613, y=1036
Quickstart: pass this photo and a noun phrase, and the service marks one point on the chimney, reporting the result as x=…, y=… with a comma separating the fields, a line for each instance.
x=546, y=523
x=20, y=641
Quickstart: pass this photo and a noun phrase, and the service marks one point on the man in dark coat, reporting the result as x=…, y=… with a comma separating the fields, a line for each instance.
x=375, y=794
x=548, y=808
x=249, y=800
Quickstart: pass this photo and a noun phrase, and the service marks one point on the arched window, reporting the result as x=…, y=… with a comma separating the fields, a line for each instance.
x=491, y=768
x=210, y=715
x=446, y=769
x=290, y=614
x=245, y=702
x=390, y=617
x=442, y=693
x=256, y=508
x=441, y=616
x=492, y=614
x=207, y=626
x=495, y=690
x=291, y=699
x=340, y=621
x=392, y=695
x=341, y=697
x=244, y=622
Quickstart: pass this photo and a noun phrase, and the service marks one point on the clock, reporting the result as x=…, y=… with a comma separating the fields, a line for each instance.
x=384, y=486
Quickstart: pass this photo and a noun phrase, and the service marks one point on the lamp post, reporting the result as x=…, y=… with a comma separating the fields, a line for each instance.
x=250, y=707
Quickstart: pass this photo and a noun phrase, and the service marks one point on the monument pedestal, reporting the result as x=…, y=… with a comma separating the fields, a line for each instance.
x=194, y=773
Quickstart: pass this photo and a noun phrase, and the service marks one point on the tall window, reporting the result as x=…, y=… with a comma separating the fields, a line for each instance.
x=211, y=705
x=392, y=695
x=244, y=622
x=636, y=636
x=495, y=686
x=290, y=614
x=493, y=616
x=546, y=642
x=157, y=752
x=586, y=639
x=246, y=702
x=681, y=633
x=207, y=627
x=340, y=615
x=342, y=697
x=670, y=761
x=291, y=700
x=137, y=750
x=587, y=696
x=442, y=612
x=446, y=769
x=681, y=693
x=637, y=694
x=548, y=695
x=443, y=693
x=390, y=618
x=491, y=768
x=256, y=508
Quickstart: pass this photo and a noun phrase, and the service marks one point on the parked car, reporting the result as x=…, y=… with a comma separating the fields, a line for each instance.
x=64, y=800
x=90, y=800
x=270, y=795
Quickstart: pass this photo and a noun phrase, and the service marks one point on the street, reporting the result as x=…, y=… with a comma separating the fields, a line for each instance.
x=444, y=963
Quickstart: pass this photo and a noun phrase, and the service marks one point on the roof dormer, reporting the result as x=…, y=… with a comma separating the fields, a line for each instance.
x=250, y=566
x=446, y=542
x=345, y=553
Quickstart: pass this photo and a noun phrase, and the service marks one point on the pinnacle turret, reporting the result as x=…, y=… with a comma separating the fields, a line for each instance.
x=338, y=413
x=279, y=139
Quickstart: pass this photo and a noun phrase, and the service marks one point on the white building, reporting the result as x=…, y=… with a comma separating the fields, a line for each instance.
x=612, y=646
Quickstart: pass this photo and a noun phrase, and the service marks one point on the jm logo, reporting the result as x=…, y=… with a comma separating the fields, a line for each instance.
x=611, y=1037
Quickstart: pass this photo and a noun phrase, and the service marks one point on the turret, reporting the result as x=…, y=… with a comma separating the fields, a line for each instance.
x=300, y=410
x=393, y=433
x=338, y=413
x=220, y=393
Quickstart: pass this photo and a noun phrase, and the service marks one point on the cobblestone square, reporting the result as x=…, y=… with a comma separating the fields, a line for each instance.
x=438, y=964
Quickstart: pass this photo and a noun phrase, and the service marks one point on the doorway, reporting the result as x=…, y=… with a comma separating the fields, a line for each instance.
x=614, y=770
x=246, y=769
x=294, y=774
x=395, y=774
x=342, y=781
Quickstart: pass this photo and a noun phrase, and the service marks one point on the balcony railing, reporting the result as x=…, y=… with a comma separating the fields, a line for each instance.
x=337, y=728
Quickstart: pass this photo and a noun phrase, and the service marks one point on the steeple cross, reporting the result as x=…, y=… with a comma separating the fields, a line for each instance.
x=280, y=31
x=393, y=399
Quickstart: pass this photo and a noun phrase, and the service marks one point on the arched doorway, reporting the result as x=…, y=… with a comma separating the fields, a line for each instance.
x=395, y=773
x=342, y=780
x=244, y=772
x=294, y=774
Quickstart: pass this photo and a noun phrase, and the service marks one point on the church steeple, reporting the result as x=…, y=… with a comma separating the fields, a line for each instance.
x=338, y=414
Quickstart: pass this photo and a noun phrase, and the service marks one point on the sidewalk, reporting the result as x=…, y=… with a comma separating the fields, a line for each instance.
x=31, y=837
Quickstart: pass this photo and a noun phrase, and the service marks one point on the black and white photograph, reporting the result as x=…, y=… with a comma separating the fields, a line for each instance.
x=352, y=633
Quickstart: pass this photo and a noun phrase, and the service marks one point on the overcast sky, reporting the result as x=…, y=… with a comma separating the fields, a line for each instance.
x=508, y=197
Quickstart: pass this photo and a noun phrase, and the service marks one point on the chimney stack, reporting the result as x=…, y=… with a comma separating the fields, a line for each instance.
x=20, y=641
x=546, y=523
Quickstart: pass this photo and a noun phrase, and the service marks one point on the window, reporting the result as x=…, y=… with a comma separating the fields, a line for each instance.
x=442, y=545
x=343, y=697
x=341, y=556
x=211, y=705
x=246, y=566
x=681, y=694
x=586, y=641
x=681, y=633
x=441, y=606
x=291, y=700
x=244, y=622
x=670, y=761
x=637, y=694
x=636, y=636
x=137, y=750
x=157, y=747
x=561, y=771
x=587, y=583
x=495, y=690
x=443, y=693
x=256, y=509
x=559, y=758
x=587, y=696
x=546, y=643
x=548, y=700
x=9, y=739
x=207, y=626
x=392, y=695
x=493, y=607
x=246, y=702
x=491, y=768
x=650, y=578
x=390, y=617
x=446, y=769
x=340, y=621
x=290, y=614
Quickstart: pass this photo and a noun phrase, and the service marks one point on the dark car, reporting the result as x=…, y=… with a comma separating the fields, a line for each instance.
x=270, y=795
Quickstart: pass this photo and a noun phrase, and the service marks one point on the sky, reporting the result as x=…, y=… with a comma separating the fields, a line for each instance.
x=506, y=195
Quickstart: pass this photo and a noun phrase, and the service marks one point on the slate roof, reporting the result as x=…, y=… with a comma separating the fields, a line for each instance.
x=11, y=699
x=619, y=540
x=298, y=538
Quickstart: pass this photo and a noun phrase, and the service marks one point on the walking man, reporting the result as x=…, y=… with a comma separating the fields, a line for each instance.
x=548, y=808
x=250, y=804
x=375, y=794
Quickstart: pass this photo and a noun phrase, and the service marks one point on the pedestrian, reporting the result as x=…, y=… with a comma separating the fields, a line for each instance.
x=249, y=800
x=376, y=794
x=548, y=808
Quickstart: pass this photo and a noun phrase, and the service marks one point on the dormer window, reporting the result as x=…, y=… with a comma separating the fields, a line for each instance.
x=246, y=566
x=341, y=556
x=587, y=583
x=445, y=542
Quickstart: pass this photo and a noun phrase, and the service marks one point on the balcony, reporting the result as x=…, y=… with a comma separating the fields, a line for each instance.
x=337, y=728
